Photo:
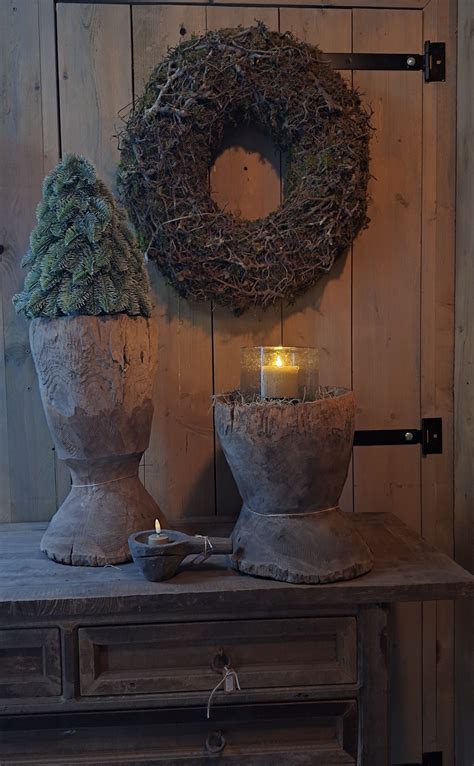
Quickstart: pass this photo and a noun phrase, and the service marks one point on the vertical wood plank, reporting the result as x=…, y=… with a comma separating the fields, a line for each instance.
x=464, y=381
x=95, y=80
x=254, y=192
x=5, y=496
x=437, y=287
x=49, y=78
x=386, y=272
x=437, y=361
x=374, y=724
x=322, y=317
x=179, y=465
x=386, y=327
x=94, y=59
x=29, y=148
x=51, y=146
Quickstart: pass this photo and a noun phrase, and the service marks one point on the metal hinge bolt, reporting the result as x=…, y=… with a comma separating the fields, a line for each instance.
x=408, y=436
x=411, y=61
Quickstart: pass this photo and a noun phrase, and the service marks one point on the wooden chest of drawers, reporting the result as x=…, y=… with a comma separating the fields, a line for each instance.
x=141, y=691
x=102, y=667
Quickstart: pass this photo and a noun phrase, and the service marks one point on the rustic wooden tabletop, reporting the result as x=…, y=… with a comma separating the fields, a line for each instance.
x=406, y=568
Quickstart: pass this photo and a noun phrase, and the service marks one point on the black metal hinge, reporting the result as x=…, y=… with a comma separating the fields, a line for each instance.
x=432, y=62
x=430, y=436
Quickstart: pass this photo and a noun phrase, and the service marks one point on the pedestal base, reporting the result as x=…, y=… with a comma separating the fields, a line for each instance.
x=106, y=504
x=314, y=548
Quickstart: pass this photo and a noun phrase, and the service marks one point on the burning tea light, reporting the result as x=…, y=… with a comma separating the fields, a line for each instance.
x=158, y=537
x=280, y=372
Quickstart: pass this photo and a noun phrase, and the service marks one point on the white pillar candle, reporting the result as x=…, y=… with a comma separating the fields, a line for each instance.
x=279, y=381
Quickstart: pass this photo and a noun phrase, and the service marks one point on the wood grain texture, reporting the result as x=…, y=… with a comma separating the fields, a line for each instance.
x=179, y=465
x=184, y=658
x=406, y=568
x=95, y=69
x=386, y=269
x=94, y=59
x=5, y=496
x=163, y=700
x=288, y=459
x=29, y=142
x=322, y=317
x=386, y=327
x=290, y=464
x=315, y=548
x=374, y=725
x=437, y=362
x=51, y=146
x=414, y=4
x=245, y=179
x=301, y=734
x=30, y=663
x=95, y=80
x=464, y=381
x=96, y=377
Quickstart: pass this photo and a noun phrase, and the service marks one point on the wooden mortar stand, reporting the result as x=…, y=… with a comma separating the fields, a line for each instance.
x=290, y=462
x=96, y=378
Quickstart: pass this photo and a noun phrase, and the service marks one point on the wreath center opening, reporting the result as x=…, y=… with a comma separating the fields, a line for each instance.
x=245, y=176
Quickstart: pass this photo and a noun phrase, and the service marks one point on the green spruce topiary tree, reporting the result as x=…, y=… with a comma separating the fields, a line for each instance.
x=83, y=257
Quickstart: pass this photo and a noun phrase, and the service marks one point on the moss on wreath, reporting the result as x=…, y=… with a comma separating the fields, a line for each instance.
x=203, y=87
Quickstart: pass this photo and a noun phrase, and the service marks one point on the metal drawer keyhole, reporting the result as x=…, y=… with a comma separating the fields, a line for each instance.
x=220, y=661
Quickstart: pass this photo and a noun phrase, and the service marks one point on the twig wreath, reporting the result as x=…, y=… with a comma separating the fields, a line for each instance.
x=173, y=134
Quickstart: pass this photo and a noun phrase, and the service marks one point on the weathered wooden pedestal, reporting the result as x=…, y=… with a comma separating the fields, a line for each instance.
x=290, y=461
x=95, y=377
x=99, y=666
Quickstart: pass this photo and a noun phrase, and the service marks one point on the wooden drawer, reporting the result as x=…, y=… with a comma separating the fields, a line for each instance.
x=30, y=663
x=188, y=657
x=316, y=734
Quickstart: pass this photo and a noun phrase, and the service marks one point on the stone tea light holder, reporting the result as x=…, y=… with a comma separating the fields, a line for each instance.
x=160, y=554
x=289, y=446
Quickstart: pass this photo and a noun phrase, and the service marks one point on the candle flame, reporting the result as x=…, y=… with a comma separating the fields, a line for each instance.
x=157, y=527
x=279, y=362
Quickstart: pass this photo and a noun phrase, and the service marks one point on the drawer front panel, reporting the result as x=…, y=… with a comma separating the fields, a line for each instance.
x=189, y=657
x=30, y=663
x=317, y=734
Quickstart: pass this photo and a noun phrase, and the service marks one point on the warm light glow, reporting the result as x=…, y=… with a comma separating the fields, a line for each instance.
x=157, y=527
x=279, y=362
